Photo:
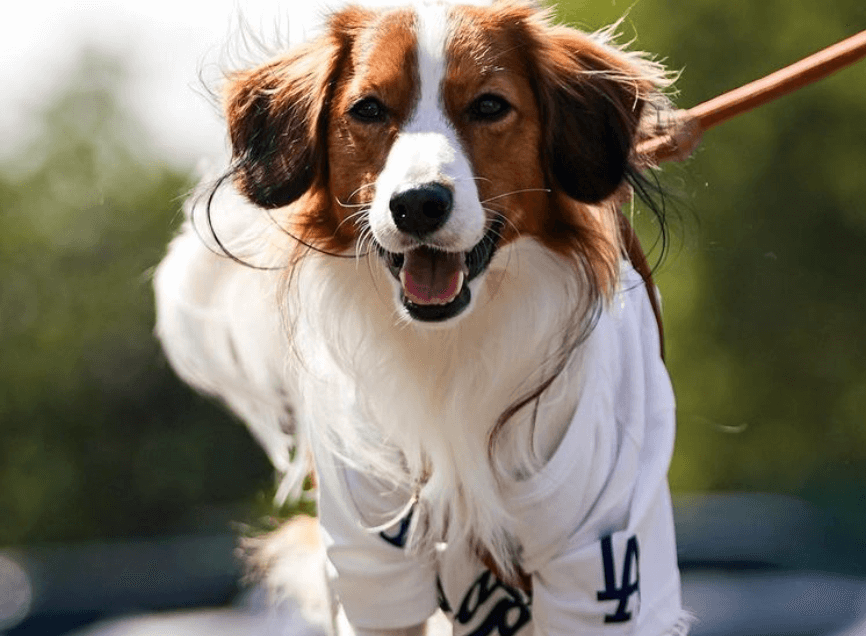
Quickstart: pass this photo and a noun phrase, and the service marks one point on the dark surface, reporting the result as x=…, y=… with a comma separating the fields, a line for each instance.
x=759, y=565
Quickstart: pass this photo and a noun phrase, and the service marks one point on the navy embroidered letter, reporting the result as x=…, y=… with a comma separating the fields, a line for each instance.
x=398, y=537
x=509, y=612
x=627, y=587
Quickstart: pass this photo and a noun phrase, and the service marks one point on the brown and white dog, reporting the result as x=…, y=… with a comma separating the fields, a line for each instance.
x=414, y=272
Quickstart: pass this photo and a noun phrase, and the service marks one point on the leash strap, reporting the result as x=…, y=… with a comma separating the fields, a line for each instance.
x=684, y=133
x=684, y=130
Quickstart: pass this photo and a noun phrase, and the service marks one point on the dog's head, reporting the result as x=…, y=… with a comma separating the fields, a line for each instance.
x=436, y=134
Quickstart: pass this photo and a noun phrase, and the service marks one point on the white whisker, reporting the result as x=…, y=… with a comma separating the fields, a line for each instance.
x=503, y=217
x=350, y=205
x=356, y=191
x=508, y=194
x=473, y=178
x=358, y=218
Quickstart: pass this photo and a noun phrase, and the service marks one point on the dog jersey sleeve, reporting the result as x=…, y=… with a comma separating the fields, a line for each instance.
x=625, y=582
x=614, y=568
x=379, y=585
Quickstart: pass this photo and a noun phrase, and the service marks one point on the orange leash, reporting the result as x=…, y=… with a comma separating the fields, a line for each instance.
x=689, y=125
x=685, y=129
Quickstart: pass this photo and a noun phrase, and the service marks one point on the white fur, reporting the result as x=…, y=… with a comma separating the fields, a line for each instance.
x=374, y=387
x=221, y=330
x=365, y=386
x=427, y=150
x=410, y=405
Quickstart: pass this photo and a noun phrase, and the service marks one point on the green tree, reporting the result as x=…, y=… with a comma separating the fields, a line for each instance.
x=97, y=437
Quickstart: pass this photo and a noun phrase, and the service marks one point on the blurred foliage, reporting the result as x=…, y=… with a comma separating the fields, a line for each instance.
x=764, y=292
x=97, y=437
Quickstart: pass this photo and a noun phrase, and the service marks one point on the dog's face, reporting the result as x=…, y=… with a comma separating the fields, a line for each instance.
x=435, y=135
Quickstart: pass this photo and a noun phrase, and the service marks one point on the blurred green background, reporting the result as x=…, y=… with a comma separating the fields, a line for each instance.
x=764, y=286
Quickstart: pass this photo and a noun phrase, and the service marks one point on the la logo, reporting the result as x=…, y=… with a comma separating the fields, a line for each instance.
x=627, y=587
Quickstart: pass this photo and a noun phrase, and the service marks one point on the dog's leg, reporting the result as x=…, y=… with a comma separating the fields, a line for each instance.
x=292, y=563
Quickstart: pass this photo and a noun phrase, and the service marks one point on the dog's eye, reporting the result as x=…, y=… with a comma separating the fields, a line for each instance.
x=369, y=110
x=489, y=107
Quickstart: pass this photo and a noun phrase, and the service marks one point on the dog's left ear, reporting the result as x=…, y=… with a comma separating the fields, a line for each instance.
x=276, y=118
x=591, y=103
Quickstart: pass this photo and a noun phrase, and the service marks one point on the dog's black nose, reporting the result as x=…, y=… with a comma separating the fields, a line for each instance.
x=421, y=210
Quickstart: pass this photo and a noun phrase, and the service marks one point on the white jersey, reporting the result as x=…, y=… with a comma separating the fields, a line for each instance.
x=595, y=524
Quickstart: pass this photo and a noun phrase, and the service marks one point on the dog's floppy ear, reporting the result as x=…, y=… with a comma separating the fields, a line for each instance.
x=591, y=102
x=277, y=121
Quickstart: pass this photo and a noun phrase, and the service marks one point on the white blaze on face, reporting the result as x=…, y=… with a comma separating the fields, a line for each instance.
x=427, y=150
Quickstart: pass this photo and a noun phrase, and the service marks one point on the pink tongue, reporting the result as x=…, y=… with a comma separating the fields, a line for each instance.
x=430, y=277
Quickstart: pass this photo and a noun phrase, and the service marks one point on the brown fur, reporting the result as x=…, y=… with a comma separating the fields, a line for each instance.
x=566, y=143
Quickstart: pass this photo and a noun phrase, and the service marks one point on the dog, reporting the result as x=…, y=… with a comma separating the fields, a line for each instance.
x=415, y=279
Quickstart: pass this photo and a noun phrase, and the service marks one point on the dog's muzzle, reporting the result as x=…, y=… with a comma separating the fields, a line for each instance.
x=434, y=282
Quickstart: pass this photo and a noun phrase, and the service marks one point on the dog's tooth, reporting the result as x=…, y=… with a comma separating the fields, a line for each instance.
x=460, y=277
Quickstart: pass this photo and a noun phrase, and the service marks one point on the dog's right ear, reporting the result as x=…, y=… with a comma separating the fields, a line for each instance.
x=277, y=119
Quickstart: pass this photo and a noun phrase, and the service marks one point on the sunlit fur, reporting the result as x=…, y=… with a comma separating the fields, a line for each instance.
x=430, y=410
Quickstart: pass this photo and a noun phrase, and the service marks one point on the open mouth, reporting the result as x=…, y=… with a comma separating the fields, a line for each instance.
x=434, y=283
